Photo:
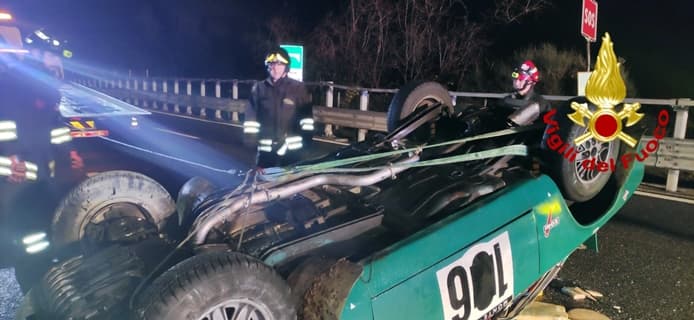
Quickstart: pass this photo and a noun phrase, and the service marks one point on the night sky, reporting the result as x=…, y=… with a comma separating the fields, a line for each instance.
x=205, y=38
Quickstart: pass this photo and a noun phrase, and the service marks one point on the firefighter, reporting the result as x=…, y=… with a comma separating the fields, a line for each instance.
x=279, y=119
x=527, y=103
x=48, y=50
x=33, y=140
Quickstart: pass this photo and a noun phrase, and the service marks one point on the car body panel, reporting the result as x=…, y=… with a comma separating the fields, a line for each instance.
x=402, y=280
x=437, y=292
x=569, y=233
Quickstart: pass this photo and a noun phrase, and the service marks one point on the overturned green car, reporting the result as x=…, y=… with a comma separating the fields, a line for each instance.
x=451, y=215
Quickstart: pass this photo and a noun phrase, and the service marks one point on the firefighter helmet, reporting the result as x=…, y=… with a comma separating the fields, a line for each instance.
x=278, y=55
x=526, y=71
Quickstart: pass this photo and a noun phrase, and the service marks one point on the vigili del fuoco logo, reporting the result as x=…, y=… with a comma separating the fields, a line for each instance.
x=605, y=89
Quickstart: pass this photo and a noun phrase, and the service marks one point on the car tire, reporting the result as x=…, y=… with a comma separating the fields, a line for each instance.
x=413, y=96
x=575, y=181
x=218, y=281
x=101, y=192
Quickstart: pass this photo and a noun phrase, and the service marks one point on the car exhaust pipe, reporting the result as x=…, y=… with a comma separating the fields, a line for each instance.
x=228, y=208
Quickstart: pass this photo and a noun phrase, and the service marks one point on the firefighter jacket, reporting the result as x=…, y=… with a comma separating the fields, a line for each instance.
x=279, y=107
x=31, y=129
x=279, y=115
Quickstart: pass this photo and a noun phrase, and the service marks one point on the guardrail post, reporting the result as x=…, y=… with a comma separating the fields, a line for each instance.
x=363, y=106
x=329, y=103
x=235, y=96
x=136, y=86
x=681, y=116
x=154, y=90
x=165, y=90
x=189, y=91
x=145, y=103
x=218, y=94
x=203, y=112
x=120, y=83
x=127, y=87
x=176, y=92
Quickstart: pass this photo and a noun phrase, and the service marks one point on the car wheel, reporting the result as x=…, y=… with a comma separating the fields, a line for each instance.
x=576, y=181
x=218, y=285
x=416, y=96
x=112, y=206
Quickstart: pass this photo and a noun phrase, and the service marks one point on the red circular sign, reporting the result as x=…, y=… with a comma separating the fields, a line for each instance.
x=606, y=125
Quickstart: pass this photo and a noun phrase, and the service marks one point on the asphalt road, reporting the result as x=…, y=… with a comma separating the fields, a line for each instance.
x=644, y=267
x=10, y=295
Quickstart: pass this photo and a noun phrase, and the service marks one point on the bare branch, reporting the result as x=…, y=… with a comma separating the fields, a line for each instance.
x=389, y=42
x=509, y=11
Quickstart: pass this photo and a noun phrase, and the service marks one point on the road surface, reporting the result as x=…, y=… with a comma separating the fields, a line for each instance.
x=645, y=264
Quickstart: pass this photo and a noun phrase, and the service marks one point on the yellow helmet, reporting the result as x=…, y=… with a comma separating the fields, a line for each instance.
x=278, y=55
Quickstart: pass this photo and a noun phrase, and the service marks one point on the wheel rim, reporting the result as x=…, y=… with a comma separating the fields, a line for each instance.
x=591, y=149
x=426, y=102
x=121, y=219
x=237, y=309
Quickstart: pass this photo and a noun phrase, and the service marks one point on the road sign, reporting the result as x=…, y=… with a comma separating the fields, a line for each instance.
x=582, y=81
x=296, y=55
x=589, y=20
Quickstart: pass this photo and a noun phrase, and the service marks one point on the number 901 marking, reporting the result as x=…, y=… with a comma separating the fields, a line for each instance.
x=480, y=283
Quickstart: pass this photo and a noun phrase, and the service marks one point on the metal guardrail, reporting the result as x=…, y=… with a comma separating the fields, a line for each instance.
x=369, y=120
x=674, y=153
x=163, y=98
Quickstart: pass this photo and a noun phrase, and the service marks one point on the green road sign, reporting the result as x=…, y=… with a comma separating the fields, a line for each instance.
x=296, y=53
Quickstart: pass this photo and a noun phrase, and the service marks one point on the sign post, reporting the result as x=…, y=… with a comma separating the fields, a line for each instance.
x=589, y=23
x=296, y=55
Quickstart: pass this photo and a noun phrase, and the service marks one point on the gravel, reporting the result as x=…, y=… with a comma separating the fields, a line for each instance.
x=10, y=294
